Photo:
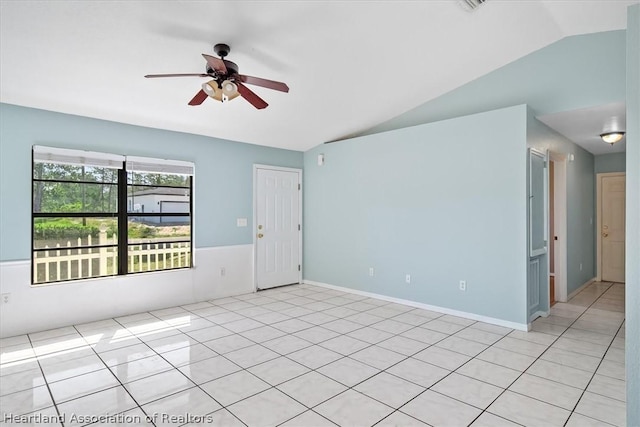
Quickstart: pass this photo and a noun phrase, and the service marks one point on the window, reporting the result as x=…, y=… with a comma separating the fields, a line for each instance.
x=97, y=214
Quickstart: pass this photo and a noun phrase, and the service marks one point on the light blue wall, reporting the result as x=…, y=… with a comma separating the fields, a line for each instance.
x=565, y=75
x=633, y=217
x=442, y=202
x=614, y=162
x=222, y=186
x=580, y=201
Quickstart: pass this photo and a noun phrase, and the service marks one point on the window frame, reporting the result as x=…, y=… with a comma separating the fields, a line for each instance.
x=121, y=216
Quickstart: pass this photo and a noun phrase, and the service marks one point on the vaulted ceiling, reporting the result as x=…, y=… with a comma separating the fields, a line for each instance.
x=350, y=65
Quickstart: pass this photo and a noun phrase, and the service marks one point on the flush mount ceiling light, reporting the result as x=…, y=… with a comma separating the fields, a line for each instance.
x=612, y=137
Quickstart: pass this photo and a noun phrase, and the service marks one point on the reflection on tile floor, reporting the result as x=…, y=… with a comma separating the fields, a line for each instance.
x=308, y=356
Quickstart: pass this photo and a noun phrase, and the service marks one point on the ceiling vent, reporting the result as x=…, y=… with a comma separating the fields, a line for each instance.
x=471, y=5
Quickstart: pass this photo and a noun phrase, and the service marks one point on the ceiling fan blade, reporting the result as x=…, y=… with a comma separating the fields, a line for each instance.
x=199, y=98
x=250, y=96
x=269, y=84
x=216, y=63
x=153, y=76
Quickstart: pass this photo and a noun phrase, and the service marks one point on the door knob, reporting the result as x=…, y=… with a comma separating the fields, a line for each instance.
x=260, y=235
x=605, y=234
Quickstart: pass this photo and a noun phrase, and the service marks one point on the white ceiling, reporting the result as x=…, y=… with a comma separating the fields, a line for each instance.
x=585, y=125
x=350, y=64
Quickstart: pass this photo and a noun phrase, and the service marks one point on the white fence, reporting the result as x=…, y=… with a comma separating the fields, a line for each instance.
x=63, y=263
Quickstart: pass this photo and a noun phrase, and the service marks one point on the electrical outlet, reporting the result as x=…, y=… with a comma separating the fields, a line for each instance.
x=223, y=271
x=6, y=298
x=463, y=285
x=407, y=278
x=371, y=271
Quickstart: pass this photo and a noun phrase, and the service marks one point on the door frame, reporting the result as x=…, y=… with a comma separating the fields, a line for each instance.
x=256, y=167
x=560, y=224
x=599, y=178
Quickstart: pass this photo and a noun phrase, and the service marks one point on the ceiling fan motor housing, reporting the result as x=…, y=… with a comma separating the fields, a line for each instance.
x=222, y=49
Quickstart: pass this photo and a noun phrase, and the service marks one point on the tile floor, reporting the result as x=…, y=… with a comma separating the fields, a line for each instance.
x=308, y=356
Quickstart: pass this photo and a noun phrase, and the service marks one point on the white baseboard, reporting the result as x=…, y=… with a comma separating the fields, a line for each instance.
x=581, y=288
x=444, y=310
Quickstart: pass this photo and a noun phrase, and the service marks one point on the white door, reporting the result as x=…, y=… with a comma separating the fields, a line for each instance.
x=278, y=227
x=612, y=228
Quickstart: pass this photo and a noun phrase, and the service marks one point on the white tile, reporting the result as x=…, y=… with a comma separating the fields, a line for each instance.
x=365, y=319
x=18, y=366
x=264, y=333
x=370, y=335
x=266, y=409
x=399, y=419
x=158, y=386
x=314, y=357
x=286, y=344
x=318, y=318
x=251, y=356
x=81, y=385
x=521, y=346
x=411, y=319
x=509, y=359
x=222, y=316
x=71, y=368
x=54, y=333
x=457, y=320
x=348, y=371
x=41, y=418
x=418, y=372
x=441, y=326
x=188, y=355
x=487, y=419
x=24, y=402
x=54, y=345
x=13, y=341
x=424, y=335
x=111, y=401
x=341, y=312
x=177, y=408
x=191, y=323
x=536, y=337
x=548, y=391
x=463, y=346
x=344, y=344
x=173, y=342
x=392, y=326
x=126, y=354
x=548, y=328
x=278, y=370
x=560, y=373
x=342, y=326
x=127, y=372
x=209, y=369
x=234, y=387
x=389, y=389
x=577, y=420
x=489, y=372
x=609, y=387
x=378, y=357
x=582, y=347
x=494, y=329
x=229, y=343
x=403, y=345
x=468, y=390
x=439, y=410
x=602, y=408
x=527, y=411
x=243, y=325
x=308, y=418
x=588, y=336
x=312, y=388
x=571, y=359
x=477, y=335
x=612, y=369
x=442, y=357
x=20, y=381
x=353, y=409
x=210, y=333
x=292, y=325
x=316, y=334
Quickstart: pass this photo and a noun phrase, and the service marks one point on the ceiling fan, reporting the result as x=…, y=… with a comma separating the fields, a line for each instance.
x=227, y=83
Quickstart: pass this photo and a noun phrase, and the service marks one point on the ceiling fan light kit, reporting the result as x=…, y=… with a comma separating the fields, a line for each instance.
x=612, y=137
x=227, y=83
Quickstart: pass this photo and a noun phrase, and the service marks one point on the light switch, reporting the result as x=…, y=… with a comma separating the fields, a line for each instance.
x=241, y=222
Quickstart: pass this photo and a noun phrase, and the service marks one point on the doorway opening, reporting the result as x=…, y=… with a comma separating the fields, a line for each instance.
x=610, y=223
x=557, y=227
